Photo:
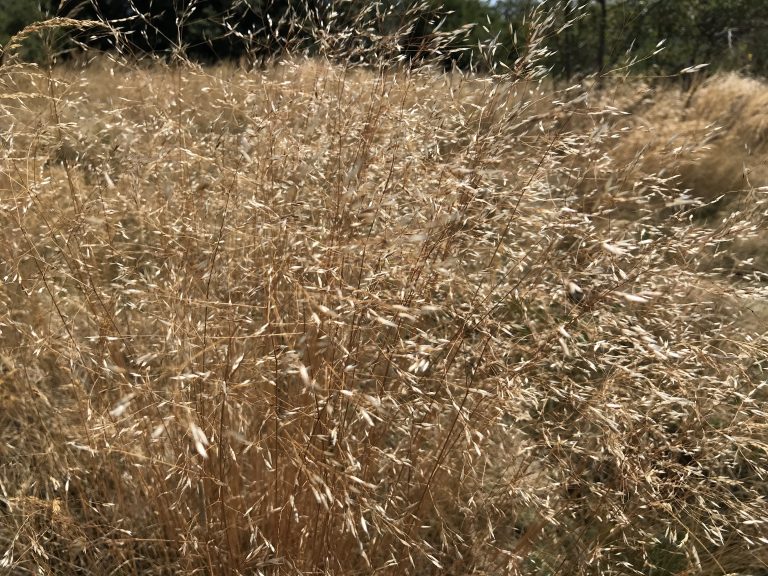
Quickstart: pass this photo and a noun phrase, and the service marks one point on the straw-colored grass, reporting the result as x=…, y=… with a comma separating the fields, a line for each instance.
x=316, y=320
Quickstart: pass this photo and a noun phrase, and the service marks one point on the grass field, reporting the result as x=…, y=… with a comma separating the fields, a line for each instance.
x=316, y=319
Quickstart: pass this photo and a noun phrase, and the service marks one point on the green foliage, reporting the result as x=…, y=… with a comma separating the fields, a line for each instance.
x=659, y=37
x=652, y=37
x=14, y=16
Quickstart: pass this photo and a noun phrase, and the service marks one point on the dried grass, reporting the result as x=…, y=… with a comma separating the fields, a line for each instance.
x=315, y=319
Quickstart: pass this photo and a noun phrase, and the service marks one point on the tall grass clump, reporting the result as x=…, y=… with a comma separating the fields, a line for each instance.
x=321, y=318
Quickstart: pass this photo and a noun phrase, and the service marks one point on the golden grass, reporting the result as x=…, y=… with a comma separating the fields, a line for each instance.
x=714, y=138
x=315, y=320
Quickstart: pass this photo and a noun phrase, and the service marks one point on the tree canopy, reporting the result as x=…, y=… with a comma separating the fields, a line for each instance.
x=653, y=37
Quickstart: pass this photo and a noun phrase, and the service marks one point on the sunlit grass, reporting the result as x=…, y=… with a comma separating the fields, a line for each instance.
x=316, y=319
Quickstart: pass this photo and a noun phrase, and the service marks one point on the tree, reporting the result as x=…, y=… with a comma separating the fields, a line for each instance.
x=601, y=31
x=14, y=16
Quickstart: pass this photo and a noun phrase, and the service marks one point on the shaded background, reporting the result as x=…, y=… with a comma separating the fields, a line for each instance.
x=649, y=37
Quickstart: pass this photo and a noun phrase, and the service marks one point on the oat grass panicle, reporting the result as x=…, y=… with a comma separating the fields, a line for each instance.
x=311, y=319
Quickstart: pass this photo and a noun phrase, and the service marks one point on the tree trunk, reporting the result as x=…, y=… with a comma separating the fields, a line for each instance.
x=602, y=23
x=569, y=47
